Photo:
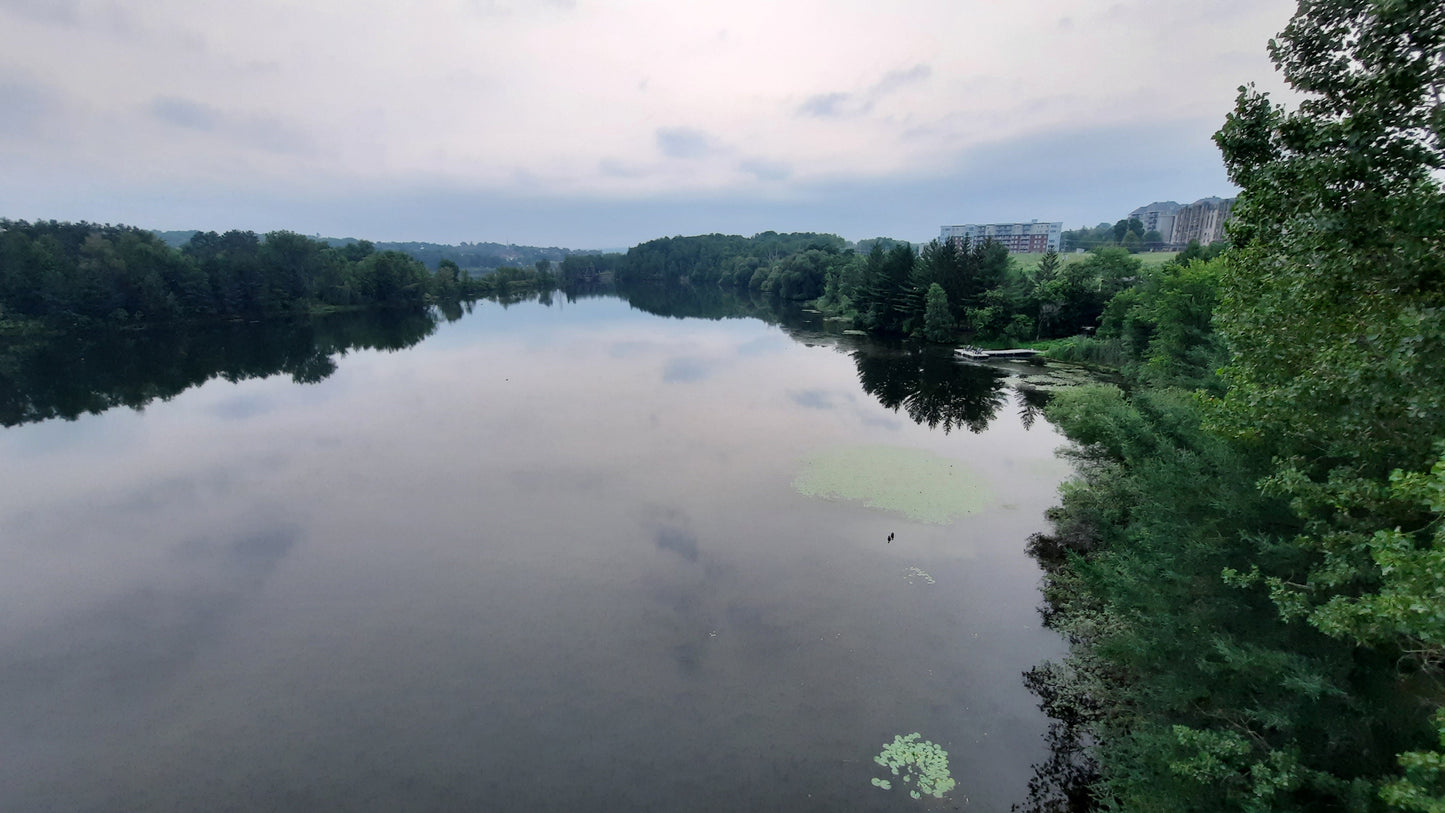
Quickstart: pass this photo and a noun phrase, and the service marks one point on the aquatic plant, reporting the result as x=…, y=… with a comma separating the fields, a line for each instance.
x=917, y=574
x=913, y=482
x=925, y=764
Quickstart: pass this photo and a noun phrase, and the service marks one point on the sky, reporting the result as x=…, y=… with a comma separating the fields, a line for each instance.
x=604, y=123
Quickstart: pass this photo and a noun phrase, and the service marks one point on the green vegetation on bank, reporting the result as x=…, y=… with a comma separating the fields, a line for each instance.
x=477, y=258
x=937, y=293
x=940, y=292
x=119, y=274
x=1250, y=564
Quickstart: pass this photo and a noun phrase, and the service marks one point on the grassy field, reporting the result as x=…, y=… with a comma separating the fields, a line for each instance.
x=1149, y=258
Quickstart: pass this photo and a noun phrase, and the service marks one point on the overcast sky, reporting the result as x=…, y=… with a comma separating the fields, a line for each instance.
x=603, y=123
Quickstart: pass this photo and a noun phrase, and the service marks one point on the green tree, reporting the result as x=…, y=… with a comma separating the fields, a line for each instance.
x=937, y=320
x=1334, y=294
x=1334, y=307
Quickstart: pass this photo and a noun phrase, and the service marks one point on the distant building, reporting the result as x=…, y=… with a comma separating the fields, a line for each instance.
x=1028, y=237
x=1158, y=216
x=1202, y=220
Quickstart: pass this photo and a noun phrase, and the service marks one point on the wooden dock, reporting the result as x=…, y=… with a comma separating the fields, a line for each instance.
x=981, y=354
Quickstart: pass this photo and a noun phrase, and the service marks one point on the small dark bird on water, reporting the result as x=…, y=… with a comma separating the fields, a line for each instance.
x=890, y=537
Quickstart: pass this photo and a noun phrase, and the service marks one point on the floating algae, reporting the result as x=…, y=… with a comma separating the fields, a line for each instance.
x=925, y=763
x=912, y=482
x=917, y=574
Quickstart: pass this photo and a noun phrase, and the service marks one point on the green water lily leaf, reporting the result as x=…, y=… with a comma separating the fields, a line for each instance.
x=923, y=761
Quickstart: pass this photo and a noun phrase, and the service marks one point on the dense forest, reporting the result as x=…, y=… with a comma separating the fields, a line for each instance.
x=1250, y=564
x=940, y=292
x=116, y=274
x=474, y=257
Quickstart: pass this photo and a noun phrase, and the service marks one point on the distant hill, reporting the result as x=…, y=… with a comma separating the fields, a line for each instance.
x=468, y=256
x=175, y=239
x=472, y=256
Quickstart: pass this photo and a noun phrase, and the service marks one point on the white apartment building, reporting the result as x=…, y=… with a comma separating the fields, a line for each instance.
x=1031, y=237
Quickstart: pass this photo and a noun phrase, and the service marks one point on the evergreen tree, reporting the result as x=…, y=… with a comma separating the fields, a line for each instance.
x=937, y=321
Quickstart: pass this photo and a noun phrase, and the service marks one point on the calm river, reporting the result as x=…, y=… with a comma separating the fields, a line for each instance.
x=548, y=558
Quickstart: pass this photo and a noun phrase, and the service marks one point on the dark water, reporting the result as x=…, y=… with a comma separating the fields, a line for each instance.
x=543, y=558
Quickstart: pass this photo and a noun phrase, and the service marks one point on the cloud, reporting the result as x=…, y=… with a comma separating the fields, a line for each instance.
x=112, y=18
x=592, y=123
x=683, y=142
x=840, y=104
x=825, y=105
x=259, y=132
x=184, y=113
x=1070, y=175
x=614, y=168
x=56, y=12
x=765, y=170
x=893, y=80
x=26, y=106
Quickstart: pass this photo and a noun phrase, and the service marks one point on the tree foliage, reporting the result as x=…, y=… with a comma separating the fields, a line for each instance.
x=1252, y=576
x=1335, y=292
x=109, y=273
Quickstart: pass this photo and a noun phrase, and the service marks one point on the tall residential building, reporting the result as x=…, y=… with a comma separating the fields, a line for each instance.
x=1159, y=216
x=1016, y=237
x=1202, y=220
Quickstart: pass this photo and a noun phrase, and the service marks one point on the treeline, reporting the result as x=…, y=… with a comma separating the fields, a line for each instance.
x=953, y=289
x=120, y=273
x=793, y=266
x=948, y=291
x=475, y=257
x=941, y=292
x=1250, y=564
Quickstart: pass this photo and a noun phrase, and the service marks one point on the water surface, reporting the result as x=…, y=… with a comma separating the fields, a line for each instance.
x=547, y=558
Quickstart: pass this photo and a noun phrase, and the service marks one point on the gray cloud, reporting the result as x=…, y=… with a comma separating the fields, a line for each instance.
x=825, y=105
x=1041, y=176
x=273, y=135
x=683, y=142
x=184, y=113
x=58, y=12
x=111, y=18
x=259, y=132
x=765, y=170
x=613, y=168
x=26, y=104
x=893, y=80
x=840, y=105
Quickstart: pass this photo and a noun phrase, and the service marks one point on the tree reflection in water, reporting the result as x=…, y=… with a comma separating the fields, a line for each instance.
x=932, y=387
x=76, y=373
